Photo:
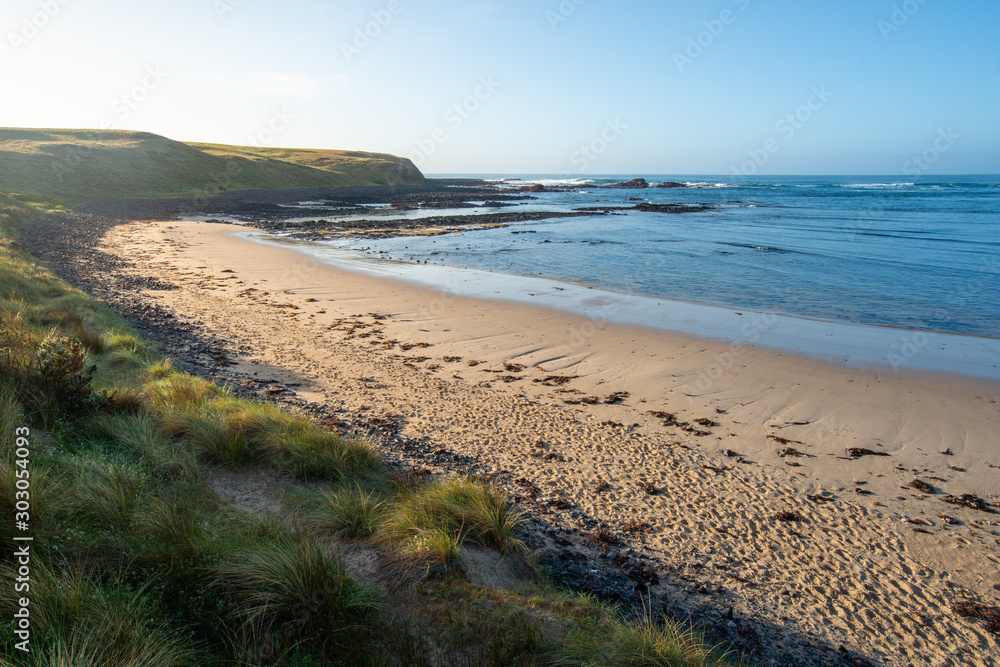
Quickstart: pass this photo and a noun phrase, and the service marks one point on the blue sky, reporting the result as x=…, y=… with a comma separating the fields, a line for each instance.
x=540, y=86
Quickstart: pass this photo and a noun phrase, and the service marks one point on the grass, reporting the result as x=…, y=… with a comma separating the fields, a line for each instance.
x=11, y=413
x=89, y=622
x=137, y=561
x=91, y=164
x=611, y=640
x=292, y=587
x=437, y=519
x=348, y=513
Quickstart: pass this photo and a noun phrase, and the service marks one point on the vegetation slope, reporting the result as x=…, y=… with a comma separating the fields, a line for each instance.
x=88, y=164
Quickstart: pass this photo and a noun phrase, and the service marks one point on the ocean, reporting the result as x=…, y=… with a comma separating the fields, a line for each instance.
x=903, y=253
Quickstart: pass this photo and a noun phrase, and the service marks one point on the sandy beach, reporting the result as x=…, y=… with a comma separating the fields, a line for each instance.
x=806, y=496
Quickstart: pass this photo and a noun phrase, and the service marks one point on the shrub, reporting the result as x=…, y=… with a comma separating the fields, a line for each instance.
x=50, y=376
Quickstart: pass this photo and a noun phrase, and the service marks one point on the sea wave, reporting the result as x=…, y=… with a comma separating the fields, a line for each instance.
x=548, y=182
x=877, y=186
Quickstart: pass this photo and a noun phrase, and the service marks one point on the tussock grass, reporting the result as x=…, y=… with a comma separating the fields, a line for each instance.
x=463, y=509
x=323, y=456
x=292, y=582
x=11, y=412
x=175, y=534
x=138, y=435
x=235, y=433
x=124, y=342
x=78, y=621
x=106, y=494
x=70, y=318
x=127, y=400
x=349, y=513
x=161, y=369
x=221, y=434
x=645, y=642
x=168, y=392
x=45, y=492
x=437, y=545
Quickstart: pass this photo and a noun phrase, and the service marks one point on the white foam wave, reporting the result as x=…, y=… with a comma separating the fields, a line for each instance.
x=875, y=186
x=548, y=182
x=703, y=184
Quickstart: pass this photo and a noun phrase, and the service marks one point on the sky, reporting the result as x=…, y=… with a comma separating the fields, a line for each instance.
x=894, y=87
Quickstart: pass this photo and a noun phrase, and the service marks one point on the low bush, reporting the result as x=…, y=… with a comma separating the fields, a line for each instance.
x=49, y=374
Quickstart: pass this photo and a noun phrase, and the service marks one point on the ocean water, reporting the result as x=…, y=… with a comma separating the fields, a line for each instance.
x=909, y=253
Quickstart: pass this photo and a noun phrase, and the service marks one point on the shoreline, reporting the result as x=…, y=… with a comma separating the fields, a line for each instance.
x=857, y=345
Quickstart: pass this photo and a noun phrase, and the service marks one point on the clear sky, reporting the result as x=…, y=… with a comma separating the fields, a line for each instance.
x=524, y=86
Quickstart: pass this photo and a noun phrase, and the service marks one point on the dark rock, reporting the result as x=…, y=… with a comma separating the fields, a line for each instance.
x=634, y=184
x=674, y=208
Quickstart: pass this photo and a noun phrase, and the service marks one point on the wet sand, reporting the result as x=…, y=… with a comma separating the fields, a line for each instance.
x=740, y=473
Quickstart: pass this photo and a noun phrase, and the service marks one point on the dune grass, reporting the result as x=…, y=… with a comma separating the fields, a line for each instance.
x=437, y=519
x=611, y=640
x=349, y=513
x=90, y=622
x=137, y=561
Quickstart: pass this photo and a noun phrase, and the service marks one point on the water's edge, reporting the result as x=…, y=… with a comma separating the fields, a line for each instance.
x=857, y=345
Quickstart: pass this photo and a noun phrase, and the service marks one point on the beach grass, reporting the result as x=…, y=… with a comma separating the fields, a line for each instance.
x=137, y=560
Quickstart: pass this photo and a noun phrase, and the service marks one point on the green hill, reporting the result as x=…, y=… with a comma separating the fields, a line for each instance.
x=92, y=164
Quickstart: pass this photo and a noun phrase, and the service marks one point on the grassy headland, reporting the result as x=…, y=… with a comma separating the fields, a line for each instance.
x=137, y=560
x=90, y=164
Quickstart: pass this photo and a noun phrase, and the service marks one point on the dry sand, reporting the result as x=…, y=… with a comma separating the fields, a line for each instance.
x=877, y=569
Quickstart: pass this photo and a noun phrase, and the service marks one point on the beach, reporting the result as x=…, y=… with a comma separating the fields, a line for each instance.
x=795, y=496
